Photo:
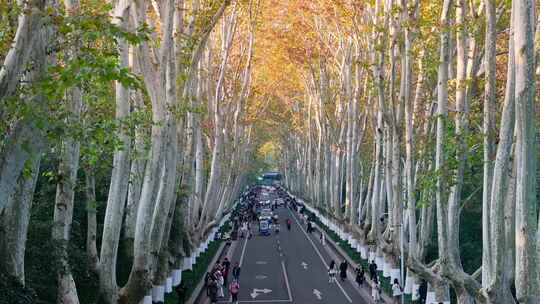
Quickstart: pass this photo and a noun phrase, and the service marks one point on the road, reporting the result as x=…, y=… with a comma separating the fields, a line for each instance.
x=290, y=267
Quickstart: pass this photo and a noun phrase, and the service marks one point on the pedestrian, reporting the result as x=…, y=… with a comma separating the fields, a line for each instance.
x=422, y=291
x=323, y=238
x=396, y=291
x=250, y=234
x=220, y=282
x=207, y=279
x=236, y=271
x=343, y=270
x=213, y=291
x=225, y=274
x=309, y=226
x=234, y=289
x=226, y=264
x=376, y=291
x=360, y=275
x=332, y=272
x=372, y=270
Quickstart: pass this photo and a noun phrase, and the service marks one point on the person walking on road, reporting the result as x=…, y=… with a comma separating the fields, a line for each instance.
x=207, y=281
x=226, y=269
x=213, y=291
x=376, y=291
x=332, y=272
x=372, y=270
x=220, y=282
x=396, y=291
x=234, y=289
x=343, y=270
x=323, y=238
x=360, y=275
x=236, y=271
x=289, y=224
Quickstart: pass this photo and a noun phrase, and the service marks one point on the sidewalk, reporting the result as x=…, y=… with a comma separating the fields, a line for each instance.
x=199, y=295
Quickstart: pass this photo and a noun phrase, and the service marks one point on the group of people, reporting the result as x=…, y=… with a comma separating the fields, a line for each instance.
x=332, y=271
x=376, y=290
x=217, y=280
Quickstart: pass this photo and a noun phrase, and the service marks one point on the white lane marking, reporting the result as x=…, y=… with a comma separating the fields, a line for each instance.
x=318, y=294
x=304, y=264
x=286, y=280
x=260, y=277
x=320, y=255
x=243, y=253
x=261, y=262
x=255, y=293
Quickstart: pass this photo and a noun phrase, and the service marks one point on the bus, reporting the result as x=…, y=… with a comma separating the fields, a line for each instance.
x=272, y=178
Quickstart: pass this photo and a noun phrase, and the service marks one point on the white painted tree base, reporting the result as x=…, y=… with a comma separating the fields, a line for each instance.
x=380, y=262
x=158, y=293
x=168, y=285
x=395, y=273
x=177, y=277
x=147, y=300
x=386, y=269
x=363, y=252
x=430, y=298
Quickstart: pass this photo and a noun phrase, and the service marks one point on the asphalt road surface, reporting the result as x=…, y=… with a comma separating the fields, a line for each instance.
x=290, y=267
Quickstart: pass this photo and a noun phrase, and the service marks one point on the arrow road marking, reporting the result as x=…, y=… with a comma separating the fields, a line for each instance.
x=255, y=293
x=260, y=277
x=318, y=294
x=261, y=263
x=304, y=264
x=319, y=254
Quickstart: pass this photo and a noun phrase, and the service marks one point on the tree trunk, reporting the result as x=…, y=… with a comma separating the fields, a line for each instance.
x=14, y=220
x=118, y=188
x=525, y=153
x=91, y=218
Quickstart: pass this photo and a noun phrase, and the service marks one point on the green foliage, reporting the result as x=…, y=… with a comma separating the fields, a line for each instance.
x=40, y=267
x=11, y=291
